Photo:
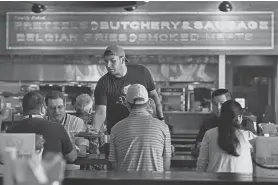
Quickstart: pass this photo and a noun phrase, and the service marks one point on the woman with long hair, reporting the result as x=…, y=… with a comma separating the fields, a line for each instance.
x=227, y=148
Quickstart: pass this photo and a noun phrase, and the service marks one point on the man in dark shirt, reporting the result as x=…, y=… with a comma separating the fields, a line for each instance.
x=111, y=89
x=218, y=97
x=55, y=136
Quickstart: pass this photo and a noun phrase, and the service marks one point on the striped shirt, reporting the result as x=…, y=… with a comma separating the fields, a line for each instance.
x=73, y=125
x=139, y=143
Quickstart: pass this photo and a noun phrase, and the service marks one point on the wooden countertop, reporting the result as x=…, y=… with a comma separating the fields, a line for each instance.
x=171, y=178
x=77, y=177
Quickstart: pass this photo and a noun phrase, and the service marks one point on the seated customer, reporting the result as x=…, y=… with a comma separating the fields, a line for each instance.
x=84, y=107
x=139, y=142
x=227, y=148
x=218, y=97
x=4, y=113
x=56, y=111
x=55, y=137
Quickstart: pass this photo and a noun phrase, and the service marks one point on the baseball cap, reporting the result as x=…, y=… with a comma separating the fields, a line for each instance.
x=137, y=94
x=116, y=50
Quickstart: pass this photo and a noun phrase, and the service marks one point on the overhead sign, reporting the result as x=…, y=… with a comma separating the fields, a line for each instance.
x=141, y=30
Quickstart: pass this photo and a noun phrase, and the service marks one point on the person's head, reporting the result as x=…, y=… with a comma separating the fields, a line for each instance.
x=218, y=97
x=229, y=121
x=115, y=60
x=84, y=104
x=56, y=108
x=33, y=104
x=231, y=111
x=137, y=97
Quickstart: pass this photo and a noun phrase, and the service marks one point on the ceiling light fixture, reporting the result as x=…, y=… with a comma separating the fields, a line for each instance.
x=38, y=8
x=225, y=6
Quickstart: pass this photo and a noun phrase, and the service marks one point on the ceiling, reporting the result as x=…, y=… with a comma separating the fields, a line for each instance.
x=186, y=6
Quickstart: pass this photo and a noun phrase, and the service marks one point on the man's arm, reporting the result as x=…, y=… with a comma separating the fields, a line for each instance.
x=68, y=150
x=72, y=156
x=196, y=147
x=150, y=86
x=101, y=105
x=99, y=117
x=155, y=97
x=201, y=133
x=167, y=153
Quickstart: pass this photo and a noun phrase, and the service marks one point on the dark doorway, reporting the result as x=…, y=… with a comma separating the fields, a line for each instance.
x=256, y=85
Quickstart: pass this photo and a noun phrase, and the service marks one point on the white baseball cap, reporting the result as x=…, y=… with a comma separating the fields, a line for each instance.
x=137, y=94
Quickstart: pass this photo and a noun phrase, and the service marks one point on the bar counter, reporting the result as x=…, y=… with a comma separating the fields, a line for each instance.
x=82, y=177
x=166, y=178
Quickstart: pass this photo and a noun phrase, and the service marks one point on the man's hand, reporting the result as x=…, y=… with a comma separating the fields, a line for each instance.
x=195, y=150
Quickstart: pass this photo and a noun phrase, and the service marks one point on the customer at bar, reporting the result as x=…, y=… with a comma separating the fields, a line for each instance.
x=227, y=148
x=111, y=89
x=55, y=137
x=218, y=97
x=4, y=113
x=84, y=106
x=140, y=142
x=56, y=111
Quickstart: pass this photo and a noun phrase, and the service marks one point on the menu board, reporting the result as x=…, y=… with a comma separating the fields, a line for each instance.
x=140, y=30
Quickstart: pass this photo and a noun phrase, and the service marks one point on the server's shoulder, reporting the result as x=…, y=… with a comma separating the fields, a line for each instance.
x=139, y=67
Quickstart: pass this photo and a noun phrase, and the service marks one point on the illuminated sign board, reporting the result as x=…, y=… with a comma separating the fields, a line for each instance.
x=141, y=30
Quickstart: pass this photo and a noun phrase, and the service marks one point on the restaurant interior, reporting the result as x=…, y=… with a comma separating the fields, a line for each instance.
x=192, y=52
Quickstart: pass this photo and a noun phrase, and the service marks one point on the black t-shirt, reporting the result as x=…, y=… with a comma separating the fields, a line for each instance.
x=111, y=91
x=54, y=134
